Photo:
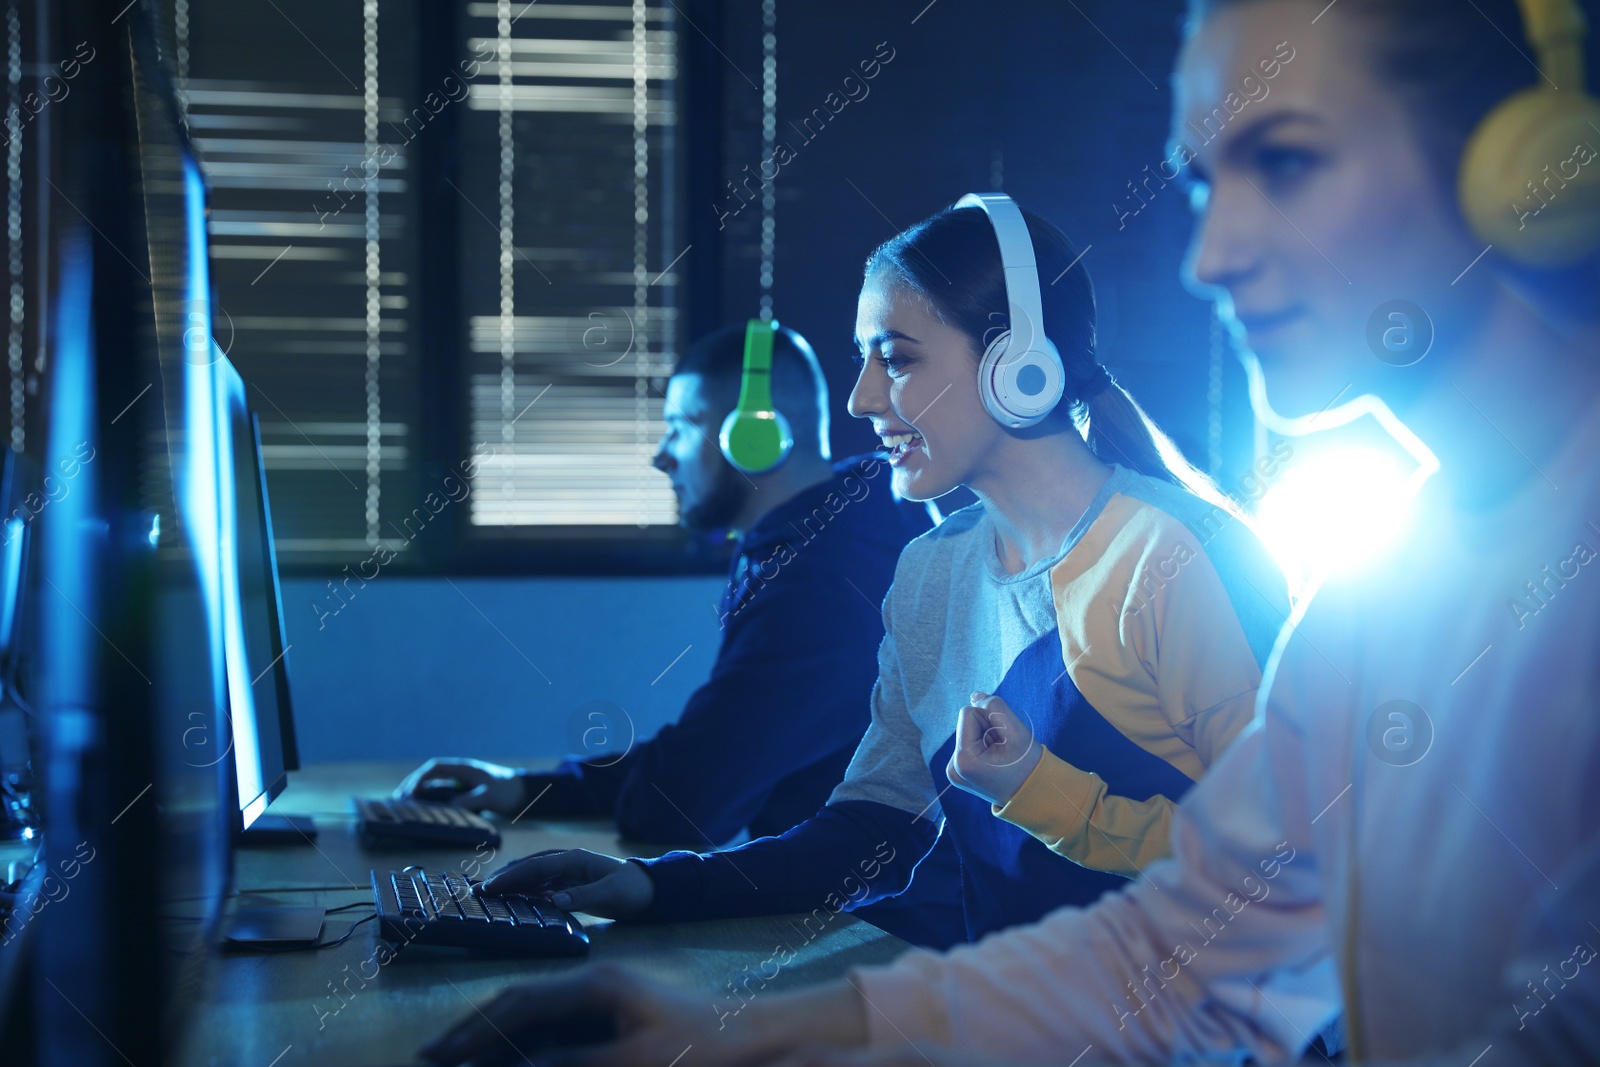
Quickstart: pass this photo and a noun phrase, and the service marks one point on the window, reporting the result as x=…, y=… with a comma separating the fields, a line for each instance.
x=294, y=107
x=566, y=246
x=443, y=246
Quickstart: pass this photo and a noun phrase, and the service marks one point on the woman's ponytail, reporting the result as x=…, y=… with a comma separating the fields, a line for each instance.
x=1118, y=431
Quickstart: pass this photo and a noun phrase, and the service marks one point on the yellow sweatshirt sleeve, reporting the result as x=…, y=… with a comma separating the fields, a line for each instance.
x=1152, y=640
x=1069, y=810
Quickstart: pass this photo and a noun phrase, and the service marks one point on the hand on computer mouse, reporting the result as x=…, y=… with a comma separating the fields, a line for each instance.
x=578, y=880
x=613, y=1015
x=467, y=783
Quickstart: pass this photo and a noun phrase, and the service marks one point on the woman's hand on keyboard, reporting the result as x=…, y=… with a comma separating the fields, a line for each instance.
x=474, y=784
x=578, y=880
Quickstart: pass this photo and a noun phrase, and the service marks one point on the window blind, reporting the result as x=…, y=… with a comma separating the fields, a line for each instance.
x=297, y=108
x=569, y=261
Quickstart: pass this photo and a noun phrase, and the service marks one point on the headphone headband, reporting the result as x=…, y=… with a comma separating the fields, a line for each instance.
x=1020, y=269
x=1021, y=377
x=1556, y=29
x=755, y=381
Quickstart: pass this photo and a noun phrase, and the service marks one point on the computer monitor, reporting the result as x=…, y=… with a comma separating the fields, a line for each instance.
x=270, y=612
x=127, y=668
x=21, y=498
x=257, y=654
x=13, y=542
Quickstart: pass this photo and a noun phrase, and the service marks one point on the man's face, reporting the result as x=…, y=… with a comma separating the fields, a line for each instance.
x=710, y=492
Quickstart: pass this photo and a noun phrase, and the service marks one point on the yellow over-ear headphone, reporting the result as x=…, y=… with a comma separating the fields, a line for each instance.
x=1530, y=176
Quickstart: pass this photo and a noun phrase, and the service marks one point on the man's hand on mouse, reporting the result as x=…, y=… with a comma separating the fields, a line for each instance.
x=467, y=783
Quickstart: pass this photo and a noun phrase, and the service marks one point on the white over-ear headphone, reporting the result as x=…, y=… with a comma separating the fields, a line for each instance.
x=1021, y=377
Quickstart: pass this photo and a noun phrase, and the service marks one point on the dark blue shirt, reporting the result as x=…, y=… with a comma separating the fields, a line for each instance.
x=763, y=742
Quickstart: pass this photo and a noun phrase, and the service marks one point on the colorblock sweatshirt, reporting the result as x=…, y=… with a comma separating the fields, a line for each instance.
x=1135, y=652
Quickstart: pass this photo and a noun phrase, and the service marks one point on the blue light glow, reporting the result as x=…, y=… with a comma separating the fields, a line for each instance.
x=205, y=494
x=242, y=716
x=1335, y=513
x=1339, y=508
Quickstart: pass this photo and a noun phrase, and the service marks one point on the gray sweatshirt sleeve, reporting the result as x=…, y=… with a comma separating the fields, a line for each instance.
x=888, y=767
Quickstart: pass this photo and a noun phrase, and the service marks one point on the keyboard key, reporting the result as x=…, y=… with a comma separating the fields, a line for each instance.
x=405, y=895
x=521, y=911
x=443, y=902
x=548, y=914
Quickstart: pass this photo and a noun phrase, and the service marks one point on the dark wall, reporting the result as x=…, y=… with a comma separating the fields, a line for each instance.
x=1030, y=97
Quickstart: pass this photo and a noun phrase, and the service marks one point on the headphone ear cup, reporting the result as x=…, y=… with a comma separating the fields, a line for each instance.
x=1530, y=178
x=986, y=383
x=755, y=441
x=1020, y=390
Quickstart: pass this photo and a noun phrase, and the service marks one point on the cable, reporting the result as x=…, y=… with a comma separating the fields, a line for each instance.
x=266, y=890
x=324, y=944
x=347, y=907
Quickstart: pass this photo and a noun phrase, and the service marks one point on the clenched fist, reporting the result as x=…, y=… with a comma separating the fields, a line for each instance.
x=995, y=750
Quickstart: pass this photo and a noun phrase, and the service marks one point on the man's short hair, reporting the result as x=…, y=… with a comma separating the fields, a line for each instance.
x=799, y=389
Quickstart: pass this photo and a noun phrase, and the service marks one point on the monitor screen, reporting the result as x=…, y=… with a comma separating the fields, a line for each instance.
x=257, y=676
x=271, y=612
x=17, y=720
x=13, y=535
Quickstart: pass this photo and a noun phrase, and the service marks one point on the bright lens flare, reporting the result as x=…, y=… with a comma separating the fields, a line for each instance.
x=1335, y=513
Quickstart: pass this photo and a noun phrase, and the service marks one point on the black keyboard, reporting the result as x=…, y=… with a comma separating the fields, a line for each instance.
x=421, y=822
x=439, y=908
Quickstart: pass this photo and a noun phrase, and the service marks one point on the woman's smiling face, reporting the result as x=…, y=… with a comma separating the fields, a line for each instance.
x=919, y=387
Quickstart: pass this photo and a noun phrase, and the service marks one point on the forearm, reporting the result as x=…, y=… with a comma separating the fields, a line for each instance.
x=1181, y=962
x=1073, y=814
x=846, y=855
x=684, y=790
x=573, y=788
x=1108, y=977
x=830, y=1015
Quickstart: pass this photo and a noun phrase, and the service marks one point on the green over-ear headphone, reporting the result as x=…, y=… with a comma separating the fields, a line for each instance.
x=1530, y=181
x=755, y=436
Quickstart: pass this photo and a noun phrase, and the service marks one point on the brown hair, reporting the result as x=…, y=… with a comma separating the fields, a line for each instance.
x=1451, y=63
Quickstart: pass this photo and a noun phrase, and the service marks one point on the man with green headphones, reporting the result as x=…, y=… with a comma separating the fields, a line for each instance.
x=762, y=743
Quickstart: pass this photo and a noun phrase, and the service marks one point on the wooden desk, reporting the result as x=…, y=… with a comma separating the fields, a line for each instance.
x=337, y=1006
